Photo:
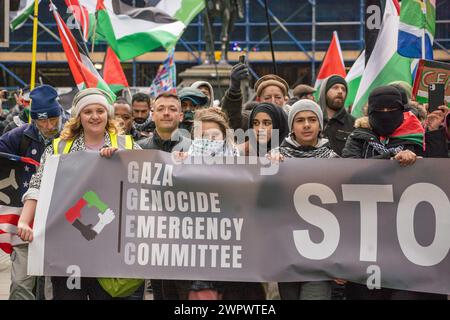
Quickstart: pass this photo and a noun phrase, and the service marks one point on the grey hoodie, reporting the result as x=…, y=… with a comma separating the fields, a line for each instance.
x=198, y=84
x=323, y=99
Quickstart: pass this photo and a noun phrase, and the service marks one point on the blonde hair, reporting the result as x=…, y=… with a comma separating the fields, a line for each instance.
x=73, y=128
x=214, y=115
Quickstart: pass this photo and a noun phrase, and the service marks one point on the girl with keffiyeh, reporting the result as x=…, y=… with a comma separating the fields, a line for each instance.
x=210, y=139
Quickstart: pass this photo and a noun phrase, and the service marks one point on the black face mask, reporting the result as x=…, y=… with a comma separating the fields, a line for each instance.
x=385, y=123
x=188, y=116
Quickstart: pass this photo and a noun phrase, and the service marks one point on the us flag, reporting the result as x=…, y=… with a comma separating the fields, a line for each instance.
x=10, y=201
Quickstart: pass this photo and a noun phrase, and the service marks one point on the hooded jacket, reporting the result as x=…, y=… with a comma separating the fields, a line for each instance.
x=338, y=128
x=198, y=84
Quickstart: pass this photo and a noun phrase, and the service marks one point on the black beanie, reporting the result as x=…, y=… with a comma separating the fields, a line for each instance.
x=332, y=80
x=402, y=92
x=383, y=97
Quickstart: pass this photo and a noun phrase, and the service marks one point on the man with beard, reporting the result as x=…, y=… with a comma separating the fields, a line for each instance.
x=338, y=124
x=143, y=123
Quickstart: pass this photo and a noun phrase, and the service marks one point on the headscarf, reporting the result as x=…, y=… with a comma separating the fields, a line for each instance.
x=279, y=121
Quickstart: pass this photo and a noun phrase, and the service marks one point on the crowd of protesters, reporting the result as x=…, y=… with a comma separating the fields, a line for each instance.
x=281, y=123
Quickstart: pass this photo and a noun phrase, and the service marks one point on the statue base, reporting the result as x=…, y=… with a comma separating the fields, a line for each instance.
x=217, y=75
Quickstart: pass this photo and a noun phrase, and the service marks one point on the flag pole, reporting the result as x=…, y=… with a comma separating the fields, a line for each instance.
x=129, y=93
x=85, y=49
x=34, y=47
x=94, y=31
x=424, y=10
x=270, y=38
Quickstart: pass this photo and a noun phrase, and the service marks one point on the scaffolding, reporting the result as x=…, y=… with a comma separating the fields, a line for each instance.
x=297, y=26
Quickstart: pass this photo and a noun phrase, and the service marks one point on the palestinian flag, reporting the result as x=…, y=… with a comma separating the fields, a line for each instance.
x=19, y=11
x=133, y=30
x=370, y=20
x=410, y=130
x=113, y=73
x=354, y=79
x=83, y=71
x=333, y=63
x=84, y=13
x=385, y=64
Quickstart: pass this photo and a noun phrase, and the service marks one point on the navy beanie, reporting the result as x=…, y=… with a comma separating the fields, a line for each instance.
x=43, y=103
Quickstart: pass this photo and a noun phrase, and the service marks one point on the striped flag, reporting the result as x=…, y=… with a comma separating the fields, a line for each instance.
x=354, y=79
x=385, y=64
x=333, y=63
x=417, y=28
x=113, y=73
x=131, y=31
x=84, y=13
x=19, y=12
x=166, y=78
x=10, y=200
x=83, y=71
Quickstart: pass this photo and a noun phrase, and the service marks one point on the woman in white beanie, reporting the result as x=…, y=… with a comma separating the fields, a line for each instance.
x=304, y=141
x=91, y=127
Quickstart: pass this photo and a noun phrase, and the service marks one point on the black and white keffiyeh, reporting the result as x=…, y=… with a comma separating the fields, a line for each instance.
x=381, y=149
x=292, y=149
x=142, y=126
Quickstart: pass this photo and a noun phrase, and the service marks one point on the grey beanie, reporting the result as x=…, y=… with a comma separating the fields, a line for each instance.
x=305, y=105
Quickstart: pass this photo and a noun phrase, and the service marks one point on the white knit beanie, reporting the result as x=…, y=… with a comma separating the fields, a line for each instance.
x=305, y=105
x=88, y=97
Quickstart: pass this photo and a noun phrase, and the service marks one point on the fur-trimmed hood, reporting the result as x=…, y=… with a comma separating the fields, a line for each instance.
x=363, y=122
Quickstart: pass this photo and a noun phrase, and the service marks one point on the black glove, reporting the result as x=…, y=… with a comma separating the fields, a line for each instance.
x=86, y=230
x=239, y=72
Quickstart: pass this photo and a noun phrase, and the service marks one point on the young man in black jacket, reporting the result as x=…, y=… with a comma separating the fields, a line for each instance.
x=167, y=115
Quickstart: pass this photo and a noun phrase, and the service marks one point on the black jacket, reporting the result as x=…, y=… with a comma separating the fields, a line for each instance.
x=136, y=134
x=337, y=129
x=157, y=143
x=358, y=145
